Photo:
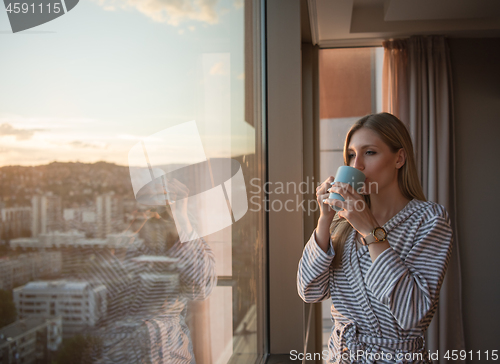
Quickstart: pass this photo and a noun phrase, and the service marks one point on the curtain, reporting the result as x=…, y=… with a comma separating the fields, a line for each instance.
x=417, y=87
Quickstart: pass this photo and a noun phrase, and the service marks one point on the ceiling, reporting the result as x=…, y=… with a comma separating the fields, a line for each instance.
x=349, y=23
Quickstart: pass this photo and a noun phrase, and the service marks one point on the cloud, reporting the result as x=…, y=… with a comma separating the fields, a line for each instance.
x=79, y=144
x=20, y=134
x=218, y=69
x=172, y=12
x=45, y=123
x=129, y=137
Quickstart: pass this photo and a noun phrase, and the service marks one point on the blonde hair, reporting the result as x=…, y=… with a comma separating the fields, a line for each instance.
x=393, y=133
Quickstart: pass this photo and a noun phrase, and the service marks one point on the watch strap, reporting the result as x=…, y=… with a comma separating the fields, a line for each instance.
x=371, y=238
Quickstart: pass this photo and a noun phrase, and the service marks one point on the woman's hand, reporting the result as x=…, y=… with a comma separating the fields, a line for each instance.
x=327, y=214
x=322, y=194
x=355, y=209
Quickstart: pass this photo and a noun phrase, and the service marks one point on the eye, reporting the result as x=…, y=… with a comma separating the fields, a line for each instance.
x=371, y=152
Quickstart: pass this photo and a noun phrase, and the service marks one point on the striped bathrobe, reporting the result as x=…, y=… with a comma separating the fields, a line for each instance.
x=146, y=320
x=386, y=306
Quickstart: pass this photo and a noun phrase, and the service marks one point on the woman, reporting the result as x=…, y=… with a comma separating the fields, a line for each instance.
x=149, y=288
x=382, y=259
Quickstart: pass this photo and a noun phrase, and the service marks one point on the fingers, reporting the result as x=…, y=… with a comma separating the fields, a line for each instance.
x=328, y=181
x=334, y=202
x=322, y=188
x=175, y=188
x=343, y=189
x=326, y=204
x=323, y=197
x=352, y=198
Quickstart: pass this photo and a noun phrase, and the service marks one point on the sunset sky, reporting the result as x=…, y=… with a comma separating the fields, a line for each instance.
x=90, y=84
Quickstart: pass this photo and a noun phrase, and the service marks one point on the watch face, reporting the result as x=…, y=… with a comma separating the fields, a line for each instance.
x=380, y=234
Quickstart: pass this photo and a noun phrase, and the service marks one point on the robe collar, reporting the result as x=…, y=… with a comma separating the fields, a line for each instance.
x=411, y=207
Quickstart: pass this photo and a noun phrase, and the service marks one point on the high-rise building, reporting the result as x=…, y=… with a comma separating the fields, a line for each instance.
x=46, y=214
x=81, y=304
x=32, y=340
x=15, y=222
x=109, y=211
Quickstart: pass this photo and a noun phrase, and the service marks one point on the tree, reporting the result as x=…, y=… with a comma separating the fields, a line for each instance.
x=8, y=313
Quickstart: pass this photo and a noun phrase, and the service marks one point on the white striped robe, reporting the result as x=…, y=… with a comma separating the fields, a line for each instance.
x=147, y=323
x=385, y=306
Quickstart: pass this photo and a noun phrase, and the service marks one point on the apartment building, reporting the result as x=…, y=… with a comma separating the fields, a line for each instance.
x=75, y=239
x=20, y=269
x=109, y=211
x=15, y=222
x=46, y=214
x=80, y=304
x=81, y=218
x=32, y=340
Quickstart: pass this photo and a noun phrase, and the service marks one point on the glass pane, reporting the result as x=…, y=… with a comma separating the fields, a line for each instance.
x=129, y=135
x=350, y=88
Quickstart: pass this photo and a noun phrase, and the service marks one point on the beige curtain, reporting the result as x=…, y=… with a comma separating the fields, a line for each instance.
x=417, y=87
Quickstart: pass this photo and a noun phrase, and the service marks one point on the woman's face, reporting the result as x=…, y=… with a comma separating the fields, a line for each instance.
x=373, y=157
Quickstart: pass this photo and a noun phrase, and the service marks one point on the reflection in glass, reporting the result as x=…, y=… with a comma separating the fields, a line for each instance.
x=149, y=287
x=90, y=272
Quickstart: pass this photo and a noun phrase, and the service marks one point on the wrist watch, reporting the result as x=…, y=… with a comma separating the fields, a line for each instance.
x=377, y=235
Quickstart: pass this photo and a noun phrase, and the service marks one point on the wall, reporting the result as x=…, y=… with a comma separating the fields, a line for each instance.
x=345, y=82
x=285, y=155
x=476, y=79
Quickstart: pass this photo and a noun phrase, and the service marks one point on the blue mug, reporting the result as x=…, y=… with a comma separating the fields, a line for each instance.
x=349, y=175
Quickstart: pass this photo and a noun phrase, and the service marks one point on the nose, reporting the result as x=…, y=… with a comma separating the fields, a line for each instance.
x=357, y=162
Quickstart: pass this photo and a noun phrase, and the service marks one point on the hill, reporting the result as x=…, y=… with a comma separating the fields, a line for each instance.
x=75, y=182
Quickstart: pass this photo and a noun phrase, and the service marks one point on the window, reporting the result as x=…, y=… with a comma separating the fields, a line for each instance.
x=170, y=89
x=350, y=87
